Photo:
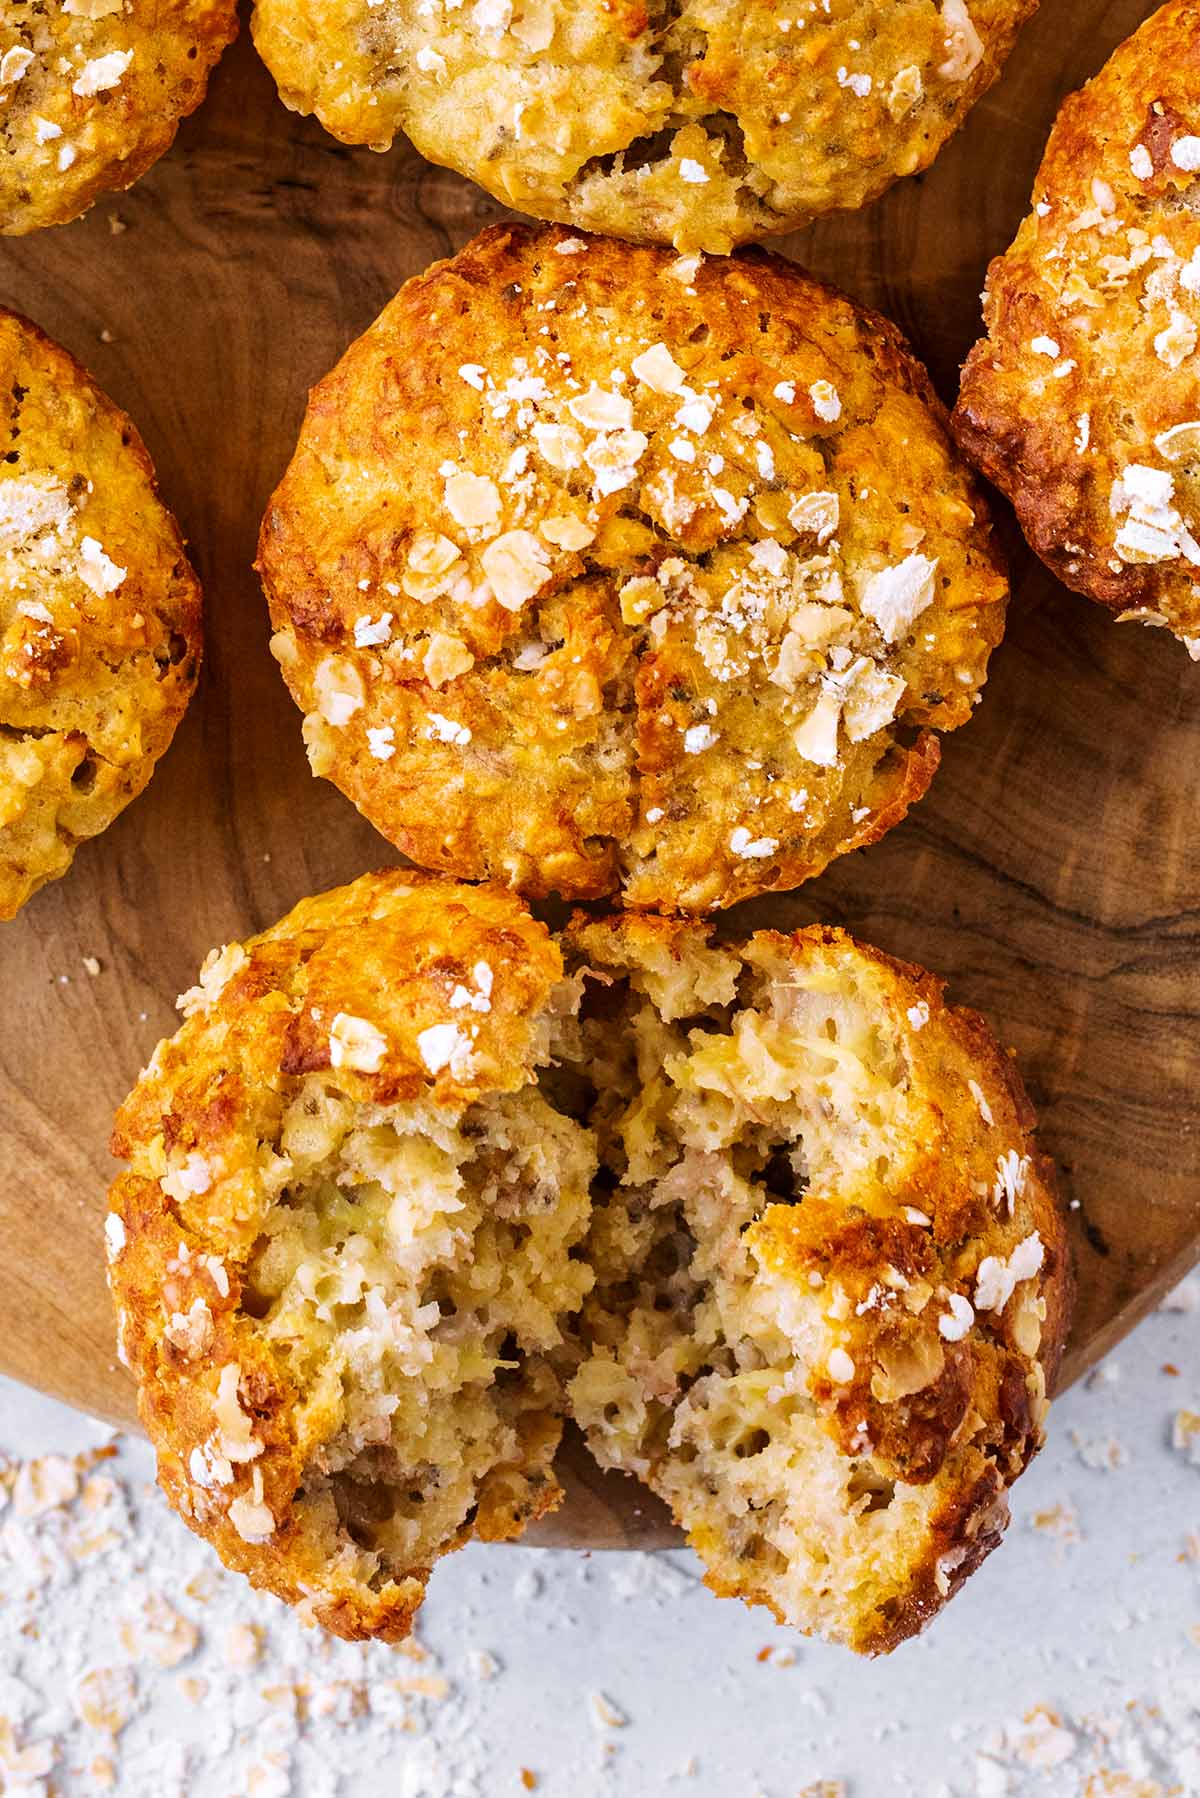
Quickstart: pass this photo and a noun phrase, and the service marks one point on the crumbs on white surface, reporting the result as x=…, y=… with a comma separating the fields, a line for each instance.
x=131, y=1662
x=606, y=1714
x=149, y=1626
x=1105, y=1454
x=1185, y=1436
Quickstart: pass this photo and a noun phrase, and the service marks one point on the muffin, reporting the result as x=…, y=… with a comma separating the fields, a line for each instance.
x=832, y=1285
x=99, y=613
x=701, y=124
x=597, y=570
x=345, y=1241
x=91, y=94
x=414, y=1181
x=1083, y=401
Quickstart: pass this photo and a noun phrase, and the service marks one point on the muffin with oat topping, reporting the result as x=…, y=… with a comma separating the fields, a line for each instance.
x=91, y=94
x=597, y=570
x=1083, y=401
x=832, y=1284
x=346, y=1240
x=414, y=1180
x=701, y=124
x=99, y=613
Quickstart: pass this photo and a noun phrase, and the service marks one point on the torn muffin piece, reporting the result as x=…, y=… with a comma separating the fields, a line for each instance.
x=346, y=1241
x=832, y=1285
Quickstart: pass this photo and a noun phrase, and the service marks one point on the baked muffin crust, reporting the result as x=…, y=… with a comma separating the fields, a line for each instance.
x=1082, y=402
x=100, y=630
x=701, y=124
x=91, y=94
x=597, y=569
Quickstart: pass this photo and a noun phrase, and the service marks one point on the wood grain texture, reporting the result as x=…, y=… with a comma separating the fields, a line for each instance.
x=1053, y=873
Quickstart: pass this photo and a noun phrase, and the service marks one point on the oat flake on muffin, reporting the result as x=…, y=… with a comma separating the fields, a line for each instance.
x=597, y=569
x=701, y=124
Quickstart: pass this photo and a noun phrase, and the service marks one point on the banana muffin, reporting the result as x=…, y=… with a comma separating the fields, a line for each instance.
x=832, y=1285
x=414, y=1181
x=702, y=124
x=342, y=1250
x=598, y=570
x=91, y=94
x=99, y=613
x=1083, y=401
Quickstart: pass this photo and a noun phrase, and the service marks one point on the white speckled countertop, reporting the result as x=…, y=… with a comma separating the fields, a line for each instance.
x=130, y=1663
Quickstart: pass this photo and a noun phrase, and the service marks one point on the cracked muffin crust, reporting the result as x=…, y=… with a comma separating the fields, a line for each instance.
x=100, y=629
x=345, y=1241
x=832, y=1283
x=597, y=570
x=91, y=94
x=414, y=1180
x=1083, y=401
x=701, y=123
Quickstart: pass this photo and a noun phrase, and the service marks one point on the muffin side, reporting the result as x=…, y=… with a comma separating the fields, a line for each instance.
x=1082, y=401
x=100, y=613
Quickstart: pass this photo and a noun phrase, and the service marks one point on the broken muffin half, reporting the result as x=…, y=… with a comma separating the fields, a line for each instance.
x=347, y=1238
x=831, y=1277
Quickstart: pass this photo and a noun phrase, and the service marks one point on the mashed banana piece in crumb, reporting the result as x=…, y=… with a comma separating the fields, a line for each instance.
x=1082, y=402
x=343, y=1249
x=100, y=626
x=702, y=124
x=598, y=570
x=411, y=1184
x=831, y=1277
x=92, y=93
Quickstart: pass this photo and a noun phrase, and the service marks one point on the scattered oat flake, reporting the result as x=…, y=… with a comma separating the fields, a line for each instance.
x=106, y=1698
x=1185, y=1436
x=605, y=1714
x=1060, y=1522
x=1105, y=1454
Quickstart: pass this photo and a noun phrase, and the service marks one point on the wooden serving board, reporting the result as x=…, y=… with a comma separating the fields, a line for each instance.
x=1053, y=873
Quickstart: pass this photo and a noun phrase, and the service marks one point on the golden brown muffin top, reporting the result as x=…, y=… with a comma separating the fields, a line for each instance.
x=703, y=124
x=1083, y=400
x=99, y=612
x=599, y=569
x=92, y=92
